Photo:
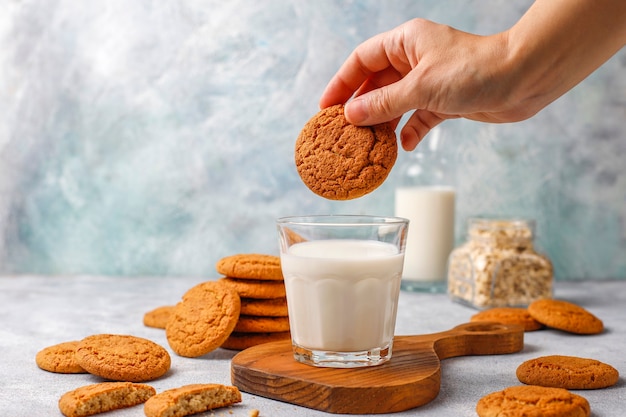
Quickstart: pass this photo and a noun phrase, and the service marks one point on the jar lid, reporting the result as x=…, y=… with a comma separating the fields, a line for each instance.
x=501, y=228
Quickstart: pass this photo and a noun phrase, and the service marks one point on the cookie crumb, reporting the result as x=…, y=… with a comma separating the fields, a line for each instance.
x=253, y=413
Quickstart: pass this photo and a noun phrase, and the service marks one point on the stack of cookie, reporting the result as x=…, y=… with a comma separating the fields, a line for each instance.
x=258, y=280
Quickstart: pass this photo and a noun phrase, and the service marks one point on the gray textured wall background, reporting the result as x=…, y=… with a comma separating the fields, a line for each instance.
x=154, y=137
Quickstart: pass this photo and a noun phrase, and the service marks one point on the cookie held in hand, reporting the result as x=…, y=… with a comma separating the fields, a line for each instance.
x=341, y=161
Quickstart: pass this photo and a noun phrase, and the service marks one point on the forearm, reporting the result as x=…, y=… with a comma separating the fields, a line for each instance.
x=558, y=43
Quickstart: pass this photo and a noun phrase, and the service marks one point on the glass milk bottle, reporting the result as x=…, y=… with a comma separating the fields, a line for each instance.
x=426, y=196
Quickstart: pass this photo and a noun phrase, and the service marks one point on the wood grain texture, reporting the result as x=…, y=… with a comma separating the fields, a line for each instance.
x=410, y=379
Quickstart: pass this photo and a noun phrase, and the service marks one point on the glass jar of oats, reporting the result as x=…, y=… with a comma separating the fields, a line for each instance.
x=498, y=265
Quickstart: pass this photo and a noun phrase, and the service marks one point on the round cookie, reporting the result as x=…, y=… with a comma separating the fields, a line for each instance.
x=241, y=341
x=59, y=358
x=531, y=400
x=565, y=316
x=122, y=357
x=191, y=399
x=251, y=266
x=257, y=289
x=567, y=372
x=254, y=324
x=271, y=307
x=100, y=398
x=203, y=320
x=509, y=315
x=340, y=161
x=158, y=317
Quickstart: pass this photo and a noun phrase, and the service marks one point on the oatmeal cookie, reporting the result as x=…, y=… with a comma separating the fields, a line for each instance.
x=567, y=372
x=565, y=316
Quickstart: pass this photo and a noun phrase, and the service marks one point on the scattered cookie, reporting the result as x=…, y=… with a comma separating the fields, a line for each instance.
x=567, y=372
x=271, y=307
x=340, y=161
x=191, y=399
x=59, y=358
x=257, y=289
x=251, y=266
x=122, y=357
x=531, y=400
x=509, y=315
x=241, y=341
x=203, y=320
x=256, y=324
x=565, y=316
x=106, y=396
x=158, y=317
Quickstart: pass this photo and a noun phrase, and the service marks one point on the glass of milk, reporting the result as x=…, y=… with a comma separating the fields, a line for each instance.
x=342, y=275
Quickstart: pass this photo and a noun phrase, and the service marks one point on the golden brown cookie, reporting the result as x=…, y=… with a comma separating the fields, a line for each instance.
x=531, y=400
x=567, y=372
x=106, y=396
x=191, y=399
x=254, y=288
x=122, y=357
x=340, y=161
x=251, y=266
x=158, y=317
x=241, y=341
x=59, y=358
x=271, y=307
x=256, y=324
x=509, y=315
x=203, y=320
x=565, y=316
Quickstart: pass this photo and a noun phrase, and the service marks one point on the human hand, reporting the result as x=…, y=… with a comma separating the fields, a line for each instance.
x=443, y=73
x=439, y=72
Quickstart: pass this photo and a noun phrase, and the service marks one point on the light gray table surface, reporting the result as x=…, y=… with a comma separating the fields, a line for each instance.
x=38, y=311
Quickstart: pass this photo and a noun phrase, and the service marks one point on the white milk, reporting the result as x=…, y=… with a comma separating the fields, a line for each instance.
x=342, y=294
x=430, y=211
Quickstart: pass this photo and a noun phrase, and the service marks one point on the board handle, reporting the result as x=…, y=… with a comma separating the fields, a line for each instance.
x=477, y=338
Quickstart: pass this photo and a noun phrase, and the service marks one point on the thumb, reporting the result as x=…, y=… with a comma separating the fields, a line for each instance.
x=379, y=105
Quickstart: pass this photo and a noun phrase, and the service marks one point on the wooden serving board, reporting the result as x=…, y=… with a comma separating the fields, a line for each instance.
x=411, y=377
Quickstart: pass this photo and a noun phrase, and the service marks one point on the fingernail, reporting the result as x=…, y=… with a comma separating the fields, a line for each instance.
x=409, y=141
x=356, y=111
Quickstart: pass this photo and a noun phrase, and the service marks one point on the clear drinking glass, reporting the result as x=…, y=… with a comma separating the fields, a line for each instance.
x=342, y=275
